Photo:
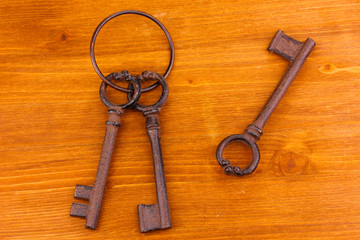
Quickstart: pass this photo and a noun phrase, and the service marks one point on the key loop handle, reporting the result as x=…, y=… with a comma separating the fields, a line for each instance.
x=96, y=32
x=154, y=108
x=248, y=141
x=124, y=75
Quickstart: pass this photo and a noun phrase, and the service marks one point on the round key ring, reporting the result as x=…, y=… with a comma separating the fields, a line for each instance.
x=148, y=109
x=96, y=32
x=124, y=75
x=249, y=141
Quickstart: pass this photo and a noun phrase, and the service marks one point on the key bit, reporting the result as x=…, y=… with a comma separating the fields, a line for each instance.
x=82, y=192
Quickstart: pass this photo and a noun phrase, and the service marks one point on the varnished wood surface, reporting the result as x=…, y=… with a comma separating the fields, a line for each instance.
x=52, y=121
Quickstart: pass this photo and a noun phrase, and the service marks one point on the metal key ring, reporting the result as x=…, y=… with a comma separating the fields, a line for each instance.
x=97, y=30
x=245, y=139
x=124, y=75
x=148, y=109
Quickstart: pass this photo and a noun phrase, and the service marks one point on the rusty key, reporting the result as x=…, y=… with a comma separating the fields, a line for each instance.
x=296, y=52
x=155, y=216
x=94, y=194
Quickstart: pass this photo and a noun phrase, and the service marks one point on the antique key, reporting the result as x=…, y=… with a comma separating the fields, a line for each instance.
x=155, y=216
x=296, y=52
x=94, y=194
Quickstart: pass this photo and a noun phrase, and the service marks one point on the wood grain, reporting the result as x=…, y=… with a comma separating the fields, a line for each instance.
x=52, y=121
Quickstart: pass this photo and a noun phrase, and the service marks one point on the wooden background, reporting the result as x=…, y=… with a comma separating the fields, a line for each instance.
x=52, y=121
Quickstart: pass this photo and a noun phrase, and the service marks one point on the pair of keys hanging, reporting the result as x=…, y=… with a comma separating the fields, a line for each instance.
x=154, y=216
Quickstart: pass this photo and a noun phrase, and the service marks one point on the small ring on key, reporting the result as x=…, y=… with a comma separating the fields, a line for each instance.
x=228, y=168
x=133, y=82
x=96, y=32
x=154, y=108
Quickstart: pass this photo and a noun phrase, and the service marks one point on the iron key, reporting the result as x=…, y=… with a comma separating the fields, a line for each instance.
x=155, y=216
x=296, y=52
x=94, y=194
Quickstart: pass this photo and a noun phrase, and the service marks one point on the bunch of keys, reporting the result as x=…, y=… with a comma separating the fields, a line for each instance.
x=157, y=216
x=154, y=216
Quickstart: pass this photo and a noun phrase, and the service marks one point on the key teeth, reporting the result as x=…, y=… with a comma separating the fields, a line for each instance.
x=82, y=192
x=149, y=217
x=79, y=210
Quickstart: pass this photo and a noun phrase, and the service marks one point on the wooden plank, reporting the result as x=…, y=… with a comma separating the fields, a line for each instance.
x=52, y=121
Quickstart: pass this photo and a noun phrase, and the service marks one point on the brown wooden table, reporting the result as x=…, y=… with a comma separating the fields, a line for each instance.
x=52, y=121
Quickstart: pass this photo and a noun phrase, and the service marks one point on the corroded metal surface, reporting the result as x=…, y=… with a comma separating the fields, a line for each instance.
x=155, y=216
x=296, y=52
x=94, y=194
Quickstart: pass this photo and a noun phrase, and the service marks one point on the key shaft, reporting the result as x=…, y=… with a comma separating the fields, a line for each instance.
x=283, y=44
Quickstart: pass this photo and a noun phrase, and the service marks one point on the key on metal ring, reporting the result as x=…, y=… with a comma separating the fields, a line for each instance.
x=94, y=194
x=296, y=52
x=155, y=216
